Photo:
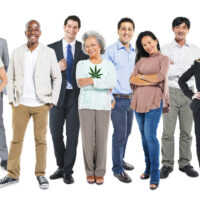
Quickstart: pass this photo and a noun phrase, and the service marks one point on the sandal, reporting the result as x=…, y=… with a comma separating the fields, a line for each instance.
x=99, y=180
x=90, y=179
x=153, y=186
x=144, y=176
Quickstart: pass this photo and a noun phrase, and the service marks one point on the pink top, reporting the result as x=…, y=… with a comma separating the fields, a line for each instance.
x=146, y=98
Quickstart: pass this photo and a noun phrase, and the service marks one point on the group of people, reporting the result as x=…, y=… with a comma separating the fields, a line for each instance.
x=84, y=85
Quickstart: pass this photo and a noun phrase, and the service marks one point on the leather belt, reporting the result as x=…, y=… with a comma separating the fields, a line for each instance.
x=125, y=96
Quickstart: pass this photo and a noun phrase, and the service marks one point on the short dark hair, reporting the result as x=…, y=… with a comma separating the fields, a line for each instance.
x=125, y=19
x=179, y=20
x=74, y=18
x=140, y=52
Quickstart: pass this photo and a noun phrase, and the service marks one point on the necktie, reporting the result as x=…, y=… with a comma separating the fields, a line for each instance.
x=69, y=64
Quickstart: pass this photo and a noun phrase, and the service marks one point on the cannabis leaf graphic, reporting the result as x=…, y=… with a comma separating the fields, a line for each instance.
x=95, y=73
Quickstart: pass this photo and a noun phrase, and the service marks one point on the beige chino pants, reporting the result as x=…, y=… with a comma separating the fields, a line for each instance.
x=20, y=118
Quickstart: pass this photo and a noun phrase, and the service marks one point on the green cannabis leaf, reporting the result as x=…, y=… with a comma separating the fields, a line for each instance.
x=95, y=73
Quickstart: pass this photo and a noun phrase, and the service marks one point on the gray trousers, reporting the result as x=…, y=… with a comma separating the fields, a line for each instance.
x=3, y=145
x=94, y=130
x=179, y=108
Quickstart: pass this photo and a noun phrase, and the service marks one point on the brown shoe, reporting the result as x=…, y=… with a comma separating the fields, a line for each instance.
x=90, y=179
x=99, y=180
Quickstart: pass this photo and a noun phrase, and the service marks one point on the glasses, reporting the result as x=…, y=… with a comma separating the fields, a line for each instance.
x=92, y=46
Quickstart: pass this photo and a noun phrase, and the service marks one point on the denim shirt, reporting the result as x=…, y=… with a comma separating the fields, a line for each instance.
x=96, y=96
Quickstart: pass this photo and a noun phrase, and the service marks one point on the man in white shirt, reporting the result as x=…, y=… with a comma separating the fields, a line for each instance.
x=34, y=81
x=182, y=55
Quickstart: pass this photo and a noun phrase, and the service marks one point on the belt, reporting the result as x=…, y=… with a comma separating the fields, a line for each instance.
x=125, y=96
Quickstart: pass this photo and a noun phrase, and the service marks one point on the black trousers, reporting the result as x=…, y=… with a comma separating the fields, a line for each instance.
x=197, y=133
x=65, y=153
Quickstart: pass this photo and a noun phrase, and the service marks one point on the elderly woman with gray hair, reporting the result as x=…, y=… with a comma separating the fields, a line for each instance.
x=96, y=77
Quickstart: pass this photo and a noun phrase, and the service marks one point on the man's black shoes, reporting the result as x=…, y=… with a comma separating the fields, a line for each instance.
x=127, y=166
x=123, y=177
x=56, y=175
x=165, y=170
x=68, y=179
x=189, y=170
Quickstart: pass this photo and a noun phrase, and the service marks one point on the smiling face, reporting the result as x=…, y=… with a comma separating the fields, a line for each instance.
x=71, y=29
x=180, y=32
x=149, y=44
x=33, y=32
x=92, y=47
x=125, y=33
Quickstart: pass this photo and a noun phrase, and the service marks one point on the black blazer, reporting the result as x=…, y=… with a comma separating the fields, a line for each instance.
x=194, y=70
x=79, y=55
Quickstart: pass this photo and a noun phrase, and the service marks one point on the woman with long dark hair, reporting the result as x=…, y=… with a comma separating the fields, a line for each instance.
x=150, y=97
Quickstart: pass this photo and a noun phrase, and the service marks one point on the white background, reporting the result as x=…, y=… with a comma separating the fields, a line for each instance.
x=102, y=16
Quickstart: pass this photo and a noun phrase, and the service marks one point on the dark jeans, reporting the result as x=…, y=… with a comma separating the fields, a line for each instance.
x=65, y=154
x=197, y=133
x=148, y=124
x=122, y=118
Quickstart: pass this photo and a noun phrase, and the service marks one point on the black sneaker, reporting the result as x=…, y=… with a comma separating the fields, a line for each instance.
x=7, y=181
x=43, y=183
x=165, y=170
x=4, y=164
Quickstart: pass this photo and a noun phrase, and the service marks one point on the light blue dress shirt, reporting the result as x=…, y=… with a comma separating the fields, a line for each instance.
x=124, y=62
x=97, y=96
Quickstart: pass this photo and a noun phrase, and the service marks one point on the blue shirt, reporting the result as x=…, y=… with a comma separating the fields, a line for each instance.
x=124, y=62
x=97, y=96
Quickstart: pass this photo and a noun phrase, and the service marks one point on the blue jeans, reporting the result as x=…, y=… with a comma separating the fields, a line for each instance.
x=148, y=124
x=122, y=118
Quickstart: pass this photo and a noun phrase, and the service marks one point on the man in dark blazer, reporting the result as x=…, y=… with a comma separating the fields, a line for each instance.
x=3, y=146
x=68, y=52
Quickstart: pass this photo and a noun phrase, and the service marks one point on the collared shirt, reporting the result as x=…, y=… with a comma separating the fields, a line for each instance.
x=29, y=96
x=123, y=61
x=182, y=59
x=65, y=43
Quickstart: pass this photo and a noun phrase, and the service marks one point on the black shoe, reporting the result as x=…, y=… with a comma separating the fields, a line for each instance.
x=127, y=166
x=56, y=175
x=189, y=170
x=68, y=179
x=165, y=170
x=4, y=164
x=7, y=181
x=123, y=177
x=43, y=183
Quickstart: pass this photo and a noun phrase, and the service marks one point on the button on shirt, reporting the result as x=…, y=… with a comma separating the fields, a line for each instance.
x=29, y=96
x=123, y=61
x=182, y=58
x=65, y=43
